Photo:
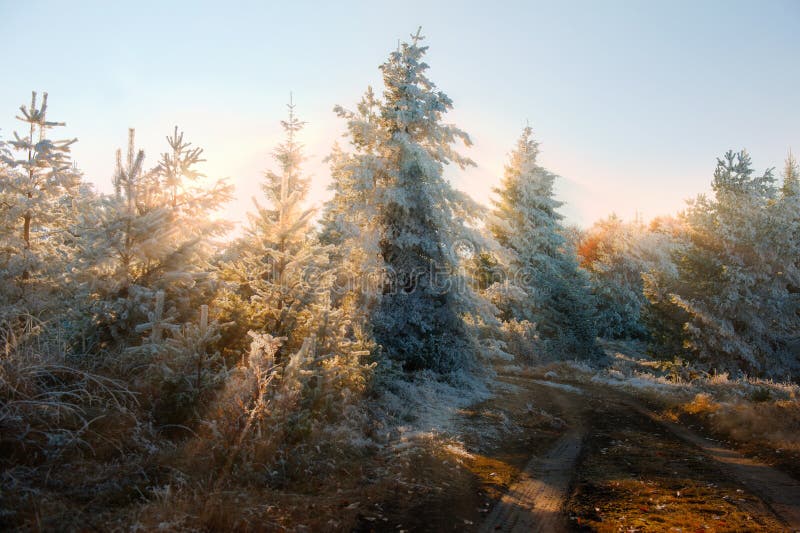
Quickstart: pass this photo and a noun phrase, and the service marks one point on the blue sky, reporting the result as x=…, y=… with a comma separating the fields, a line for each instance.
x=631, y=101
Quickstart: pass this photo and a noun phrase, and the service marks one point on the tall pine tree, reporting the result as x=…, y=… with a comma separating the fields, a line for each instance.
x=154, y=233
x=277, y=274
x=37, y=186
x=348, y=223
x=733, y=289
x=410, y=215
x=526, y=221
x=791, y=177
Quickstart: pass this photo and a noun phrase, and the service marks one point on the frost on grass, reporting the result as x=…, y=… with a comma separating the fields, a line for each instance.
x=427, y=403
x=745, y=409
x=128, y=378
x=560, y=386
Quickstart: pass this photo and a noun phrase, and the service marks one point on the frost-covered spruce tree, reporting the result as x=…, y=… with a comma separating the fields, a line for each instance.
x=790, y=203
x=733, y=286
x=9, y=272
x=401, y=147
x=788, y=207
x=619, y=256
x=791, y=178
x=616, y=254
x=152, y=234
x=37, y=186
x=277, y=272
x=348, y=213
x=526, y=221
x=349, y=220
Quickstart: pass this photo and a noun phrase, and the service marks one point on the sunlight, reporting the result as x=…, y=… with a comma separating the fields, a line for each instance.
x=324, y=268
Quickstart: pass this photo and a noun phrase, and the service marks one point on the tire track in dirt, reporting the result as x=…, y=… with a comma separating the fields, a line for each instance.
x=779, y=490
x=535, y=502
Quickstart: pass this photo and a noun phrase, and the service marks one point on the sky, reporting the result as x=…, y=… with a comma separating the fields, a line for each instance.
x=632, y=101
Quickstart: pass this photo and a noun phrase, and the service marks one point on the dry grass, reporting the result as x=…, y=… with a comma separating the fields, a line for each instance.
x=776, y=423
x=50, y=409
x=306, y=443
x=64, y=432
x=761, y=417
x=287, y=434
x=637, y=476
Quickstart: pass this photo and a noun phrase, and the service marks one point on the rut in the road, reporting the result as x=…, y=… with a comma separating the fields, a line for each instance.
x=779, y=490
x=535, y=501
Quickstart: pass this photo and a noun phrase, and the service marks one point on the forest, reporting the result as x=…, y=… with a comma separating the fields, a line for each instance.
x=391, y=360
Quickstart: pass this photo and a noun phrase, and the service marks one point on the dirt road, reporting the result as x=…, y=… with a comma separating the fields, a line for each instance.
x=618, y=467
x=547, y=456
x=535, y=501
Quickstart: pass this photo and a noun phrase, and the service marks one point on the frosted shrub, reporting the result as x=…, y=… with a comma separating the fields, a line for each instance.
x=278, y=416
x=616, y=254
x=151, y=235
x=184, y=369
x=520, y=340
x=731, y=304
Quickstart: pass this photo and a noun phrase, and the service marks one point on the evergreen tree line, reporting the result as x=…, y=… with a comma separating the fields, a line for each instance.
x=398, y=271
